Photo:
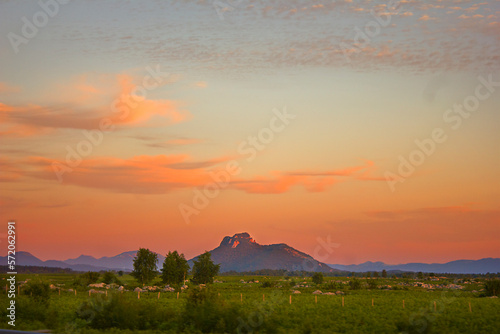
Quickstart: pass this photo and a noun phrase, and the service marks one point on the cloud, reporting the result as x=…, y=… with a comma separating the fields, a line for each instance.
x=171, y=143
x=313, y=181
x=426, y=18
x=157, y=174
x=128, y=108
x=201, y=84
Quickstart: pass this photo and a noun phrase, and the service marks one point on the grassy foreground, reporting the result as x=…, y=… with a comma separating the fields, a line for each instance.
x=257, y=304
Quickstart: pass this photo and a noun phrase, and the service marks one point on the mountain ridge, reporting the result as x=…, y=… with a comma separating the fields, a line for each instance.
x=463, y=266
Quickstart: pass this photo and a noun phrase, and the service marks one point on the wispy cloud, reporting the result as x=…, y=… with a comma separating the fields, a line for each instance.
x=313, y=181
x=124, y=109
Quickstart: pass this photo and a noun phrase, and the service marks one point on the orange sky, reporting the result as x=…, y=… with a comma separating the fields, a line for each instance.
x=172, y=126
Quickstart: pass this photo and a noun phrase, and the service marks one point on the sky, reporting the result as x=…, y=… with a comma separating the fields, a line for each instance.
x=351, y=130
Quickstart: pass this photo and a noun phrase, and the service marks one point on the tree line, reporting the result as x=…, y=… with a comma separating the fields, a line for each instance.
x=175, y=268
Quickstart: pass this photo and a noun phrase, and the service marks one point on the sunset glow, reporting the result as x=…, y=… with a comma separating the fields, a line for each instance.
x=169, y=125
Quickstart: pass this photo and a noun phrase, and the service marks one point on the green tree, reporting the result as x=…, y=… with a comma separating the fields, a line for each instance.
x=384, y=273
x=145, y=263
x=108, y=277
x=91, y=277
x=420, y=275
x=204, y=270
x=120, y=273
x=372, y=284
x=492, y=287
x=355, y=284
x=38, y=291
x=318, y=278
x=174, y=268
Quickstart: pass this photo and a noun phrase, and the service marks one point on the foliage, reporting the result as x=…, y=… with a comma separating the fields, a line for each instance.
x=118, y=312
x=37, y=290
x=109, y=277
x=492, y=287
x=372, y=284
x=354, y=284
x=175, y=268
x=384, y=273
x=204, y=270
x=318, y=278
x=208, y=313
x=87, y=278
x=145, y=263
x=267, y=284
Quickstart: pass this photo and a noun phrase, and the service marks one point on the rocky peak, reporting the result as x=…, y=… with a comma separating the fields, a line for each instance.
x=238, y=238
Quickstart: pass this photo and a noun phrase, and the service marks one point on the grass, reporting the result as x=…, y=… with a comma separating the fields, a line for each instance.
x=233, y=306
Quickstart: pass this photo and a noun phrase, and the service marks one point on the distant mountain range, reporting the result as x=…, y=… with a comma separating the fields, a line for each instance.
x=123, y=261
x=483, y=266
x=242, y=253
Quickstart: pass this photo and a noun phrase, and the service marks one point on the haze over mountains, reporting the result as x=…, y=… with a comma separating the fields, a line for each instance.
x=242, y=253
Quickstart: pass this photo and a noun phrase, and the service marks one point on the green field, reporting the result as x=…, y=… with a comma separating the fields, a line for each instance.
x=232, y=306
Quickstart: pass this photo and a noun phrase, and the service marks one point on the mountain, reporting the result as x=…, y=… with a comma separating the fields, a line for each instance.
x=242, y=253
x=483, y=266
x=123, y=261
x=27, y=259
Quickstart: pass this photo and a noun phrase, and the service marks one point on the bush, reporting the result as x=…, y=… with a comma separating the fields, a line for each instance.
x=492, y=287
x=318, y=278
x=267, y=284
x=110, y=277
x=37, y=290
x=355, y=284
x=30, y=310
x=207, y=313
x=85, y=279
x=103, y=313
x=372, y=284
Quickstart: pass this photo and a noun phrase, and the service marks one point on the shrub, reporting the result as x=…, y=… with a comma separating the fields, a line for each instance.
x=372, y=284
x=37, y=290
x=103, y=313
x=207, y=313
x=318, y=278
x=110, y=277
x=267, y=284
x=355, y=284
x=492, y=287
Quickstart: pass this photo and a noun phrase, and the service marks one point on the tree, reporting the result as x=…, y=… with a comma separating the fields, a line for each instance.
x=318, y=278
x=204, y=270
x=109, y=277
x=492, y=287
x=174, y=268
x=38, y=291
x=145, y=265
x=372, y=284
x=120, y=273
x=384, y=273
x=420, y=275
x=375, y=274
x=355, y=284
